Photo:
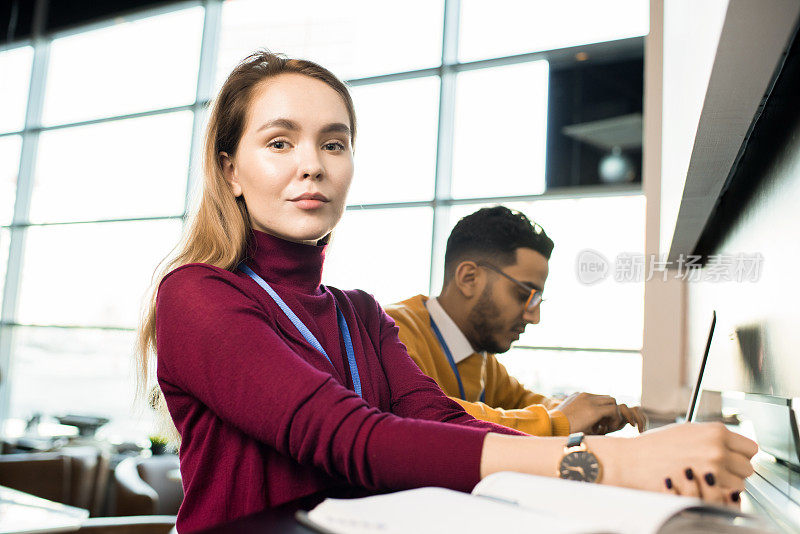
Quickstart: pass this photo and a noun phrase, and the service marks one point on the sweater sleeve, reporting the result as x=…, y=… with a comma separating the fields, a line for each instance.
x=534, y=419
x=510, y=404
x=415, y=394
x=218, y=344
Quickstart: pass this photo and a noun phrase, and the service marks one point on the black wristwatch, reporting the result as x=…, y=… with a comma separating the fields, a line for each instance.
x=578, y=463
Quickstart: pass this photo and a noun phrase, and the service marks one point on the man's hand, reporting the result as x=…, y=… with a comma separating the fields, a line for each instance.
x=598, y=414
x=633, y=415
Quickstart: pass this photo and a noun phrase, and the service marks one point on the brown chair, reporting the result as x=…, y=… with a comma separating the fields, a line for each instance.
x=44, y=474
x=144, y=486
x=75, y=476
x=89, y=480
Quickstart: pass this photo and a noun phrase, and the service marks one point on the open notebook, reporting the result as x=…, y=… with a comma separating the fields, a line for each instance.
x=515, y=502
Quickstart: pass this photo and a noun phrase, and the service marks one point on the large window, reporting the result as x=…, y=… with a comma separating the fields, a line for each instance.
x=84, y=371
x=98, y=198
x=386, y=252
x=500, y=130
x=389, y=130
x=453, y=108
x=356, y=39
x=509, y=27
x=126, y=68
x=134, y=168
x=102, y=271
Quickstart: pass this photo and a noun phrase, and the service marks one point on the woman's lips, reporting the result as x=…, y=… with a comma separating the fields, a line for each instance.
x=310, y=201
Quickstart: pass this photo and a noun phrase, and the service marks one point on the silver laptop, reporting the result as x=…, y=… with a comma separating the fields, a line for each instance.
x=691, y=412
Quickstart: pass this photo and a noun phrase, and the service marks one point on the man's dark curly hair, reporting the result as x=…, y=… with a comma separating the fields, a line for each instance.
x=493, y=234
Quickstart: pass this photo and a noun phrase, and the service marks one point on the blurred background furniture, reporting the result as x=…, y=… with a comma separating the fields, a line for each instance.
x=147, y=486
x=144, y=498
x=76, y=476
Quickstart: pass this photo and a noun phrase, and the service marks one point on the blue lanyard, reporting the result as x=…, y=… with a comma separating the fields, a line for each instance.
x=345, y=331
x=452, y=363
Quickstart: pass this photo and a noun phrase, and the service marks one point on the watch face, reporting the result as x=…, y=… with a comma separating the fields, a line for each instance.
x=579, y=465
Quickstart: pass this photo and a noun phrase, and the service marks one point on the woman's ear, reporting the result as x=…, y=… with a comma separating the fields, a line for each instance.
x=229, y=171
x=468, y=279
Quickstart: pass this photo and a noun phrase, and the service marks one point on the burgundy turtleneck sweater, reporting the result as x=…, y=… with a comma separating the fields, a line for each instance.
x=264, y=418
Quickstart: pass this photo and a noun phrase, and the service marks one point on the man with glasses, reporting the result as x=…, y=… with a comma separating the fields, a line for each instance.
x=496, y=265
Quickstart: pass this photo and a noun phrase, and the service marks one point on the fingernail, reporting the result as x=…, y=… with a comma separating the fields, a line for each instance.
x=668, y=482
x=710, y=480
x=735, y=496
x=689, y=473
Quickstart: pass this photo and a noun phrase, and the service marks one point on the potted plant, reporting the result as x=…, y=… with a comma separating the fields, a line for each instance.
x=158, y=444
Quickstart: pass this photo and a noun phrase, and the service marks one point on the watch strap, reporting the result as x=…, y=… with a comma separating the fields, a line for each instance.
x=575, y=439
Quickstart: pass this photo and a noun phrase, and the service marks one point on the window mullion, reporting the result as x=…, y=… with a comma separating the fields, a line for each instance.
x=205, y=87
x=25, y=177
x=444, y=149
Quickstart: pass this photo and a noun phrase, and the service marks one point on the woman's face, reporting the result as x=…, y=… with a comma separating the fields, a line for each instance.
x=294, y=162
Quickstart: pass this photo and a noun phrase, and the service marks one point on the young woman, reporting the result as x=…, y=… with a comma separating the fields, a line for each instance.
x=281, y=387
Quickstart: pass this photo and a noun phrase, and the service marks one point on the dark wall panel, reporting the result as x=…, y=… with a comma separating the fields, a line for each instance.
x=757, y=344
x=586, y=92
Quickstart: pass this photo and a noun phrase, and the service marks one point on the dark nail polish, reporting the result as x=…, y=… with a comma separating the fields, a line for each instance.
x=689, y=473
x=668, y=482
x=710, y=480
x=735, y=496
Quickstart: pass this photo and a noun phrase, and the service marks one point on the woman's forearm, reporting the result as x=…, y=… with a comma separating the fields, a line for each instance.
x=523, y=454
x=705, y=460
x=541, y=456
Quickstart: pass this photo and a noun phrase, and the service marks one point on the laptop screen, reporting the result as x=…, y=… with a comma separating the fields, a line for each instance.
x=690, y=413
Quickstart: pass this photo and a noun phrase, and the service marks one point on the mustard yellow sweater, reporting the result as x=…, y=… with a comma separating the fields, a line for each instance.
x=507, y=402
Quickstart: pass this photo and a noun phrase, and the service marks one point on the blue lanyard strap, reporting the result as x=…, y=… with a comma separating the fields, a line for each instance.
x=452, y=363
x=348, y=347
x=306, y=333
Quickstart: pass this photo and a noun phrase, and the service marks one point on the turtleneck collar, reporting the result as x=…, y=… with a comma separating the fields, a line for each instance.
x=287, y=263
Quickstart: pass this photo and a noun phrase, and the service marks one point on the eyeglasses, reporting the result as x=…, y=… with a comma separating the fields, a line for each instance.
x=535, y=297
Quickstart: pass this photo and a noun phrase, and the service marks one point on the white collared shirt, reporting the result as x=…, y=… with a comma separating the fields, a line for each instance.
x=455, y=339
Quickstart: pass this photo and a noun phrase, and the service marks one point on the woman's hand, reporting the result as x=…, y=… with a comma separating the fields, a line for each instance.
x=703, y=460
x=658, y=460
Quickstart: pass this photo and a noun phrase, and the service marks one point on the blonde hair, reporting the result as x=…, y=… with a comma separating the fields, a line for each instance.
x=220, y=229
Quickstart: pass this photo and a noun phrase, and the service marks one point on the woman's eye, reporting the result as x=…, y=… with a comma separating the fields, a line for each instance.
x=333, y=146
x=278, y=145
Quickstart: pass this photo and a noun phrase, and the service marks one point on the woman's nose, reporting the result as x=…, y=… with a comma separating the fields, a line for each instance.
x=310, y=163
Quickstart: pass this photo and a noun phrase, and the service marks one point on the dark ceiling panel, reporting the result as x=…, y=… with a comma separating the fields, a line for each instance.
x=16, y=20
x=16, y=16
x=62, y=15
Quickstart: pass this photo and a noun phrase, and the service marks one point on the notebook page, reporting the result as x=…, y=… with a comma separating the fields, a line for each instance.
x=434, y=511
x=609, y=508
